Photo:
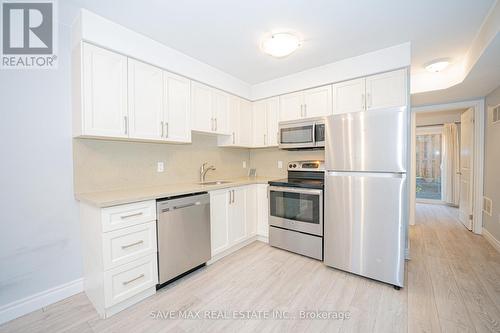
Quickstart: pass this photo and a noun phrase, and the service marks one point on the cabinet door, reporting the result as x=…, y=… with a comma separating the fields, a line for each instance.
x=219, y=217
x=245, y=123
x=201, y=107
x=233, y=120
x=237, y=215
x=318, y=102
x=178, y=108
x=291, y=106
x=251, y=210
x=145, y=97
x=262, y=210
x=220, y=105
x=259, y=123
x=104, y=92
x=386, y=90
x=272, y=119
x=349, y=96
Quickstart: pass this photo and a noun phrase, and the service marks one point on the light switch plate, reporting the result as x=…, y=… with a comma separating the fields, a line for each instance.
x=280, y=164
x=244, y=164
x=160, y=167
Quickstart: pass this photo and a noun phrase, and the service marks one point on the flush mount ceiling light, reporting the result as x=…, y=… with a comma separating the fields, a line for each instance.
x=437, y=65
x=280, y=45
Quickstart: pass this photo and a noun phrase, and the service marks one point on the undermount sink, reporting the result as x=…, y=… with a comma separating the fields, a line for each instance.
x=215, y=182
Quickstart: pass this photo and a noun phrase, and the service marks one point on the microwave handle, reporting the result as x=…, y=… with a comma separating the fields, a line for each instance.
x=314, y=133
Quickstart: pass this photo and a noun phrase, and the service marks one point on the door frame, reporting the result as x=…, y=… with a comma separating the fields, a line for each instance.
x=478, y=165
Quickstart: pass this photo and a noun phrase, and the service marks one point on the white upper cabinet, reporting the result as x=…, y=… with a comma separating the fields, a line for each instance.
x=245, y=124
x=309, y=103
x=272, y=120
x=386, y=90
x=209, y=109
x=318, y=102
x=373, y=92
x=103, y=109
x=146, y=101
x=259, y=121
x=349, y=96
x=291, y=106
x=265, y=122
x=201, y=107
x=177, y=119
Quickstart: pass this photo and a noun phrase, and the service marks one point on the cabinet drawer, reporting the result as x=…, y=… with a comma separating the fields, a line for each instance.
x=130, y=279
x=127, y=244
x=117, y=217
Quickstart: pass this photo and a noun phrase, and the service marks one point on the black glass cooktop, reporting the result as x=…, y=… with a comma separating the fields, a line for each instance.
x=298, y=182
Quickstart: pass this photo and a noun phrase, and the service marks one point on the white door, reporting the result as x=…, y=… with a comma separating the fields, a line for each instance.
x=178, y=108
x=251, y=210
x=349, y=96
x=245, y=123
x=145, y=97
x=104, y=92
x=386, y=90
x=272, y=120
x=466, y=167
x=201, y=107
x=220, y=104
x=259, y=123
x=219, y=217
x=262, y=210
x=291, y=106
x=237, y=215
x=318, y=102
x=233, y=120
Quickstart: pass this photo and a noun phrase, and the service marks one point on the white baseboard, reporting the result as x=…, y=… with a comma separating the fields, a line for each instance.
x=37, y=301
x=262, y=238
x=492, y=240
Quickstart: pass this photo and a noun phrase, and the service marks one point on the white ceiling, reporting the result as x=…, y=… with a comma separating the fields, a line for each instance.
x=226, y=33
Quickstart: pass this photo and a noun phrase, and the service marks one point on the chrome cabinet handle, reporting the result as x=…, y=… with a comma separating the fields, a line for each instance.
x=134, y=279
x=133, y=244
x=216, y=124
x=131, y=215
x=230, y=197
x=278, y=137
x=305, y=110
x=162, y=128
x=233, y=196
x=363, y=102
x=125, y=124
x=166, y=130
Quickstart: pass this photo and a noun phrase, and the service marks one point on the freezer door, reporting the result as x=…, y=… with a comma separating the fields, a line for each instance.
x=364, y=228
x=373, y=141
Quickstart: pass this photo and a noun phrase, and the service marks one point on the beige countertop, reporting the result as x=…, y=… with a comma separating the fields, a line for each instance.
x=118, y=197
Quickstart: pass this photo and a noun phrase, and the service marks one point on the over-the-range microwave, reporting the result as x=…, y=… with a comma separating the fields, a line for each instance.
x=302, y=134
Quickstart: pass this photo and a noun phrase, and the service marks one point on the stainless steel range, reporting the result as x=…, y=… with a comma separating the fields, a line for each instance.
x=296, y=209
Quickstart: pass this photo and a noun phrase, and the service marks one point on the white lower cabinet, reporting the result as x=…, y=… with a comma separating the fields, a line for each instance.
x=119, y=254
x=262, y=210
x=234, y=216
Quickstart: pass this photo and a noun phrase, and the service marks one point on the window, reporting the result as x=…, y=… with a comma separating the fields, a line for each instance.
x=428, y=164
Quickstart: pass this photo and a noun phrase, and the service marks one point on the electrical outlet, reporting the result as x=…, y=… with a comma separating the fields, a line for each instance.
x=160, y=167
x=280, y=164
x=244, y=164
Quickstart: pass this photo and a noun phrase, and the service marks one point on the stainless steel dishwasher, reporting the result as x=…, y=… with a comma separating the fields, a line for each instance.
x=183, y=235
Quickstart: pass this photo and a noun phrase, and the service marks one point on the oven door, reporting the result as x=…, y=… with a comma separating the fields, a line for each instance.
x=296, y=135
x=298, y=209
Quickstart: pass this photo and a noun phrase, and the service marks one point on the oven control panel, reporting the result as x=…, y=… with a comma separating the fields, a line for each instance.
x=306, y=166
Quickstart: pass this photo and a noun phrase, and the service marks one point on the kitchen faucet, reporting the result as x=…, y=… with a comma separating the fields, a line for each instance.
x=204, y=170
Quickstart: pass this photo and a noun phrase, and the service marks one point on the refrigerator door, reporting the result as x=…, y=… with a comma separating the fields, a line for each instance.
x=373, y=141
x=364, y=229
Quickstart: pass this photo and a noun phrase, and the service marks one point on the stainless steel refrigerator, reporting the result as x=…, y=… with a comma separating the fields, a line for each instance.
x=366, y=193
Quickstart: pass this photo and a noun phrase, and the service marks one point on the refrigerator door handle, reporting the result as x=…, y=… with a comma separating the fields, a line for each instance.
x=367, y=174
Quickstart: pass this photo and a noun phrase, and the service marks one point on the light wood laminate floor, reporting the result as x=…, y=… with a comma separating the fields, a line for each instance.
x=452, y=285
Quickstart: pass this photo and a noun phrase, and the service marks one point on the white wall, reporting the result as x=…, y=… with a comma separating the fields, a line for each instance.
x=40, y=246
x=492, y=167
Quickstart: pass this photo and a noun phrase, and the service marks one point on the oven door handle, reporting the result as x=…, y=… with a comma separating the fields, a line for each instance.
x=295, y=190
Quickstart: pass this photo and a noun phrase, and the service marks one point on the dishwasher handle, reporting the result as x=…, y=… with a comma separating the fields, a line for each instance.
x=197, y=203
